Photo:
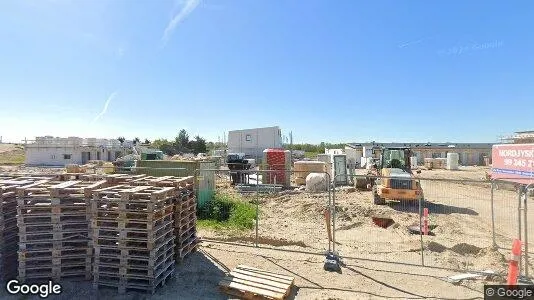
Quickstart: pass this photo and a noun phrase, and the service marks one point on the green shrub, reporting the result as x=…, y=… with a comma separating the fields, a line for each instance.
x=227, y=211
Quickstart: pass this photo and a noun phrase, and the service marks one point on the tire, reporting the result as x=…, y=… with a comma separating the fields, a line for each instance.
x=376, y=198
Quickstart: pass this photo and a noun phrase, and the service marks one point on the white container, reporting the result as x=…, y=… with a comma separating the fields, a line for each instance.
x=413, y=162
x=452, y=161
x=369, y=163
x=363, y=162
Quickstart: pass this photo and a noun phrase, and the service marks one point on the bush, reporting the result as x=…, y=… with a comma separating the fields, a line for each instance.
x=226, y=211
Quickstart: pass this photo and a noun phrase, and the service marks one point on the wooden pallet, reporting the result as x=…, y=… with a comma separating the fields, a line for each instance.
x=124, y=283
x=251, y=283
x=107, y=221
x=58, y=189
x=136, y=262
x=172, y=181
x=135, y=193
x=51, y=228
x=131, y=252
x=80, y=243
x=60, y=253
x=131, y=217
x=135, y=271
x=134, y=243
x=117, y=204
x=23, y=220
x=135, y=234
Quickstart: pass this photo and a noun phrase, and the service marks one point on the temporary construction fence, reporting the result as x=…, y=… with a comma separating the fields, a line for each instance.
x=472, y=223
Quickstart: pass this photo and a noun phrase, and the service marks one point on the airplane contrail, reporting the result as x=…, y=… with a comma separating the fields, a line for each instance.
x=104, y=110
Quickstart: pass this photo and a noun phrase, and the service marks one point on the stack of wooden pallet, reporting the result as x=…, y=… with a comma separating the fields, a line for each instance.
x=133, y=237
x=53, y=223
x=184, y=210
x=186, y=220
x=8, y=229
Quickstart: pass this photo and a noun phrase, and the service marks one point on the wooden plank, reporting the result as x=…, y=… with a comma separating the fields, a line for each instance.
x=34, y=184
x=96, y=184
x=136, y=189
x=164, y=190
x=15, y=182
x=251, y=289
x=247, y=268
x=65, y=184
x=260, y=283
x=161, y=178
x=280, y=280
x=109, y=188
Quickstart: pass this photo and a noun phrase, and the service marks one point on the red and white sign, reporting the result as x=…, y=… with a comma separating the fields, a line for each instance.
x=513, y=162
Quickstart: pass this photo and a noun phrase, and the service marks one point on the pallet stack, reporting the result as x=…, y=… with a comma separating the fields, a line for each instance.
x=8, y=230
x=133, y=237
x=53, y=223
x=186, y=220
x=184, y=210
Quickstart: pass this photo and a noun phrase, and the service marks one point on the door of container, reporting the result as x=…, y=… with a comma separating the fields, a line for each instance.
x=340, y=169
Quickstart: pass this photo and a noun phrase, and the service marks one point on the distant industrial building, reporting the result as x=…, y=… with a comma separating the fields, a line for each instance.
x=470, y=153
x=53, y=151
x=252, y=142
x=520, y=137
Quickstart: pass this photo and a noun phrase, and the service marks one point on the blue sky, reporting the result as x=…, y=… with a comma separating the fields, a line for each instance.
x=335, y=71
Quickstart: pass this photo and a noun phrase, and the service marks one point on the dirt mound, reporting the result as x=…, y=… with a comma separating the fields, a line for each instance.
x=436, y=247
x=465, y=249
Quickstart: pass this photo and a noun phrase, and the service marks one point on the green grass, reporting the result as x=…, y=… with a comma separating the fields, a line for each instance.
x=311, y=155
x=227, y=212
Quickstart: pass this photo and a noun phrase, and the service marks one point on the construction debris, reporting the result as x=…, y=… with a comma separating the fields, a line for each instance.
x=475, y=275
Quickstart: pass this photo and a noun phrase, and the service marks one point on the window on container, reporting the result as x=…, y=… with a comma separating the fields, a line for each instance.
x=67, y=156
x=248, y=138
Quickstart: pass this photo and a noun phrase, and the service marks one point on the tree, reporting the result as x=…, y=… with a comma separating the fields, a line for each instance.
x=165, y=146
x=136, y=141
x=182, y=141
x=121, y=139
x=198, y=145
x=147, y=141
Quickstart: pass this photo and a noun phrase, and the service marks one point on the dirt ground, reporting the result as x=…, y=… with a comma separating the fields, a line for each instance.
x=378, y=263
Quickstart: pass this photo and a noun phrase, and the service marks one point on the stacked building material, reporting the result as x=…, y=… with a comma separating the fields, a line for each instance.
x=185, y=205
x=8, y=230
x=133, y=237
x=53, y=222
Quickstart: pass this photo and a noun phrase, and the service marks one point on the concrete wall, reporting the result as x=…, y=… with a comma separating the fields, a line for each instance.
x=252, y=142
x=54, y=156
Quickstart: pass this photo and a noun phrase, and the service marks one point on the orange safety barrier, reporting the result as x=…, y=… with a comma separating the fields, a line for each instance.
x=513, y=266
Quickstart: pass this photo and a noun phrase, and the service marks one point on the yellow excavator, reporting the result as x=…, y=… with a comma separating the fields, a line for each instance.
x=396, y=180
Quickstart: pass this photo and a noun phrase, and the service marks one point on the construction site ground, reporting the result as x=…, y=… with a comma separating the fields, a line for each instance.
x=377, y=262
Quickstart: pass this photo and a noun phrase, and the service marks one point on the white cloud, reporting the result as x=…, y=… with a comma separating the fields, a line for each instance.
x=188, y=7
x=104, y=110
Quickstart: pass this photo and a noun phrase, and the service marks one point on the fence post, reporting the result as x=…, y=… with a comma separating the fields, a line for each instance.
x=333, y=214
x=525, y=191
x=421, y=229
x=493, y=215
x=257, y=205
x=519, y=220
